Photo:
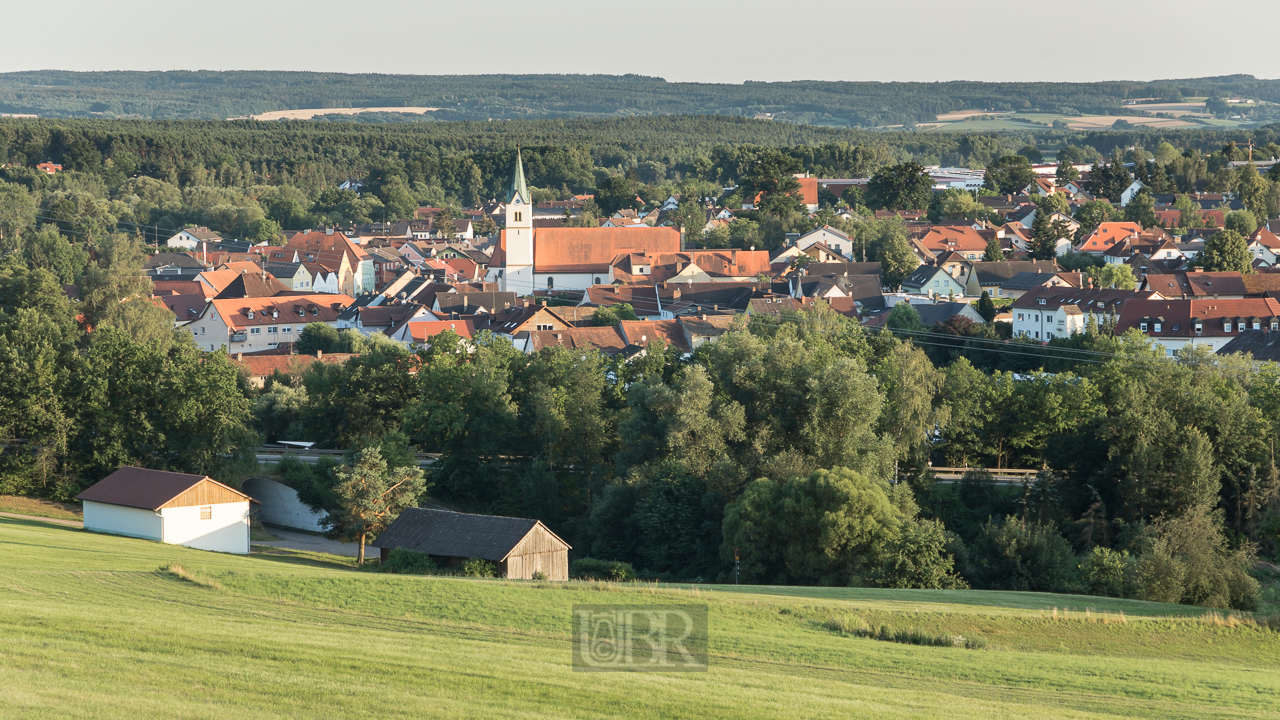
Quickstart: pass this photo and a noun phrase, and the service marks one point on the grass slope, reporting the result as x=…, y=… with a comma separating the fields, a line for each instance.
x=94, y=626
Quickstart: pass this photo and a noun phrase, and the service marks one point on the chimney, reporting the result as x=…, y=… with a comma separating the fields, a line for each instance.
x=239, y=356
x=319, y=354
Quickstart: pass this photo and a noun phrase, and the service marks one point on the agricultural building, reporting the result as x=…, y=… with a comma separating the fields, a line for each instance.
x=175, y=508
x=519, y=547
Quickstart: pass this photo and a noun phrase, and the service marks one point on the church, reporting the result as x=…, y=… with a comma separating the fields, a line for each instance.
x=563, y=258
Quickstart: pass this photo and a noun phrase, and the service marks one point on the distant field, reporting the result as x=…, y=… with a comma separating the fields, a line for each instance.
x=308, y=114
x=40, y=508
x=1010, y=121
x=96, y=626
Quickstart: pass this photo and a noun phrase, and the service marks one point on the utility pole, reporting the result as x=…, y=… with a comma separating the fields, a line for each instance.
x=736, y=566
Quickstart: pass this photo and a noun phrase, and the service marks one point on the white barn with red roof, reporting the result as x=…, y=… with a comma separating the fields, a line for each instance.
x=175, y=508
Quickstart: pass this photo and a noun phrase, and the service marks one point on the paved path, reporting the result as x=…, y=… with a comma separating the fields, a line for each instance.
x=55, y=521
x=294, y=540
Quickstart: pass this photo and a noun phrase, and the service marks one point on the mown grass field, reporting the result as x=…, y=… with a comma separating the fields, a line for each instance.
x=95, y=626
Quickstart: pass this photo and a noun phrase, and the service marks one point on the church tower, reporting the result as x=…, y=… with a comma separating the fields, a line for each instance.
x=517, y=237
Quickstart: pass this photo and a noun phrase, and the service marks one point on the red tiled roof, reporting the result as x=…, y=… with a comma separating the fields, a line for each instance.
x=1108, y=234
x=640, y=332
x=608, y=339
x=941, y=238
x=592, y=249
x=260, y=365
x=1181, y=314
x=235, y=311
x=423, y=330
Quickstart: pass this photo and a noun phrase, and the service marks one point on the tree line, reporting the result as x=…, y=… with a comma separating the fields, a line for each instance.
x=218, y=95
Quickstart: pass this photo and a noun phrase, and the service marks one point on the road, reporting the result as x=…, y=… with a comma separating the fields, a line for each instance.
x=55, y=521
x=306, y=542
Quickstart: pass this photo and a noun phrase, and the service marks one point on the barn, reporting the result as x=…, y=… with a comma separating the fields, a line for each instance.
x=176, y=508
x=519, y=547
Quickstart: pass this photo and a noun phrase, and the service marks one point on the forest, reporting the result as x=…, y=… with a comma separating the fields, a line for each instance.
x=252, y=180
x=209, y=95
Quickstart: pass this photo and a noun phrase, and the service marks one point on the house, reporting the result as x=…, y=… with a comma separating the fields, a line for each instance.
x=336, y=251
x=48, y=167
x=701, y=329
x=691, y=266
x=472, y=302
x=933, y=281
x=192, y=237
x=260, y=366
x=1048, y=312
x=992, y=276
x=1264, y=245
x=568, y=258
x=641, y=332
x=608, y=339
x=1263, y=345
x=832, y=238
x=1130, y=192
x=173, y=266
x=1016, y=286
x=1106, y=235
x=255, y=324
x=961, y=239
x=292, y=275
x=519, y=547
x=1203, y=285
x=175, y=508
x=418, y=333
x=375, y=319
x=933, y=313
x=1174, y=324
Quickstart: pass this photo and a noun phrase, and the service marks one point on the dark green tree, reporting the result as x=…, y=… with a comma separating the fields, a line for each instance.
x=1227, y=251
x=1009, y=175
x=900, y=187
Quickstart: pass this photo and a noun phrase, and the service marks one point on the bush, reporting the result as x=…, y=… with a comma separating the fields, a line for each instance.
x=539, y=575
x=918, y=558
x=1104, y=571
x=592, y=569
x=1013, y=555
x=408, y=562
x=479, y=567
x=1186, y=560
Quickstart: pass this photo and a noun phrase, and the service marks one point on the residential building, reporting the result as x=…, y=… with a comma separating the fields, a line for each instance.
x=256, y=324
x=189, y=238
x=1175, y=324
x=1049, y=312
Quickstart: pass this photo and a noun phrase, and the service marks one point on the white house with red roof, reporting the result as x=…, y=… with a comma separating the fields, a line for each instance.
x=1175, y=324
x=1108, y=234
x=262, y=323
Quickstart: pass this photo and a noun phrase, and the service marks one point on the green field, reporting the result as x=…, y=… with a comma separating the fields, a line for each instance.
x=96, y=626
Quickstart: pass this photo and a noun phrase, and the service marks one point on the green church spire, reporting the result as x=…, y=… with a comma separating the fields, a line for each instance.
x=517, y=182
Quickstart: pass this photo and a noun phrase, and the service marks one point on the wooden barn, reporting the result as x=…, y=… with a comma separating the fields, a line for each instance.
x=519, y=547
x=175, y=508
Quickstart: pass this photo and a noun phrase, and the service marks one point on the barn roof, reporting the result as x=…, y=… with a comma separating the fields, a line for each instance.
x=144, y=488
x=454, y=534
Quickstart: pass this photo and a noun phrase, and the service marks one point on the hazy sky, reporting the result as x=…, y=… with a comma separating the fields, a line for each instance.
x=709, y=41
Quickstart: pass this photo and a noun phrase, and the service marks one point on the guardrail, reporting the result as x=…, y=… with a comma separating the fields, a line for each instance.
x=948, y=475
x=271, y=455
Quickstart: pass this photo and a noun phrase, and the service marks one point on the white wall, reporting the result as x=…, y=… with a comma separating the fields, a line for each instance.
x=121, y=520
x=226, y=531
x=281, y=506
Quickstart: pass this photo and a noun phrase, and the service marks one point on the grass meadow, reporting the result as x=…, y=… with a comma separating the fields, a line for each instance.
x=100, y=626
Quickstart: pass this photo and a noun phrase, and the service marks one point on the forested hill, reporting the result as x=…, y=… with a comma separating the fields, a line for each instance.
x=218, y=95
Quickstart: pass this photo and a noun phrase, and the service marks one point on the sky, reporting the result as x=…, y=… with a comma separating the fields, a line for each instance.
x=682, y=41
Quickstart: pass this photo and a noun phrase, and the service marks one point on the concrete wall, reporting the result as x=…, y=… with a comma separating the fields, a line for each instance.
x=281, y=506
x=227, y=530
x=121, y=520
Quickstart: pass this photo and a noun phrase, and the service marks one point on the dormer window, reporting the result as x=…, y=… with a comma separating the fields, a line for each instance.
x=250, y=315
x=1042, y=301
x=1199, y=327
x=1142, y=327
x=1226, y=326
x=1157, y=327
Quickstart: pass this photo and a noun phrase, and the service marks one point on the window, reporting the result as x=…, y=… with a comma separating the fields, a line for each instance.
x=551, y=282
x=1037, y=317
x=1142, y=327
x=255, y=331
x=206, y=513
x=1226, y=326
x=542, y=326
x=1019, y=317
x=518, y=217
x=937, y=283
x=201, y=329
x=1257, y=325
x=271, y=330
x=1199, y=327
x=1042, y=301
x=595, y=281
x=1157, y=327
x=1048, y=318
x=286, y=329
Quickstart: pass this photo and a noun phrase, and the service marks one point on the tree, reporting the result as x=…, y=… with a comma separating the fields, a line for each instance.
x=1032, y=155
x=1252, y=189
x=1226, y=251
x=957, y=204
x=1111, y=276
x=371, y=496
x=900, y=187
x=771, y=178
x=1092, y=214
x=613, y=314
x=1141, y=209
x=398, y=200
x=1242, y=222
x=897, y=261
x=986, y=307
x=824, y=528
x=117, y=294
x=1109, y=180
x=1190, y=216
x=993, y=253
x=903, y=316
x=1009, y=175
x=17, y=213
x=615, y=193
x=443, y=223
x=317, y=336
x=913, y=408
